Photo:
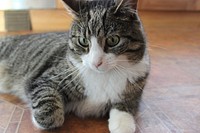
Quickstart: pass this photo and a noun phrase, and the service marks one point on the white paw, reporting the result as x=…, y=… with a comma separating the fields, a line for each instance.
x=121, y=122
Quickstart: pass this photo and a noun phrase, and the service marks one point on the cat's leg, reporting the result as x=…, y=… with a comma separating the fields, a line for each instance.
x=122, y=113
x=46, y=107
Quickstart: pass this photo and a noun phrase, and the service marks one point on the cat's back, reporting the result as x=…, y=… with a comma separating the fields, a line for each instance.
x=28, y=56
x=29, y=44
x=28, y=53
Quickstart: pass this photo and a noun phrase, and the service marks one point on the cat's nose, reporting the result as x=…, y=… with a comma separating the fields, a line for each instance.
x=99, y=63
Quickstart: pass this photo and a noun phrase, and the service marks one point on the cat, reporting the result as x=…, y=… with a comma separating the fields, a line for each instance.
x=100, y=66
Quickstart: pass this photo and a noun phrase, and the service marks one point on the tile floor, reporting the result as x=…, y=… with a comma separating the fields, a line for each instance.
x=171, y=99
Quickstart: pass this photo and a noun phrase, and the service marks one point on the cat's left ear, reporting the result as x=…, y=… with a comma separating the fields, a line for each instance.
x=72, y=6
x=126, y=4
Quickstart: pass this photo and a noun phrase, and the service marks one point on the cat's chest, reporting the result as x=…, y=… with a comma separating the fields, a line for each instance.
x=101, y=88
x=100, y=91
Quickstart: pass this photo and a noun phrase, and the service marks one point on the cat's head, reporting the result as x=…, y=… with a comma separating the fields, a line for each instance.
x=105, y=34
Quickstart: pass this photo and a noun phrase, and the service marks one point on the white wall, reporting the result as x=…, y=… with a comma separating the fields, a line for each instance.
x=26, y=4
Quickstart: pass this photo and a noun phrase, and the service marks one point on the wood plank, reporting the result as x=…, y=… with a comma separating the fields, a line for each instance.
x=167, y=5
x=197, y=5
x=170, y=20
x=189, y=5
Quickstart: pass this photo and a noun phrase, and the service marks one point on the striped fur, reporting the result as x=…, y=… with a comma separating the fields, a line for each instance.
x=50, y=71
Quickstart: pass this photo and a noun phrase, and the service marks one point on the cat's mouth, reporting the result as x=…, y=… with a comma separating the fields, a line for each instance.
x=101, y=70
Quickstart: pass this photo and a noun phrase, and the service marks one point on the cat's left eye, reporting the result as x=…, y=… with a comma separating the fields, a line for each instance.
x=112, y=41
x=83, y=41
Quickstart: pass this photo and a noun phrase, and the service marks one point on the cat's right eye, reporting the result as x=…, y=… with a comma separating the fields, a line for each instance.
x=83, y=41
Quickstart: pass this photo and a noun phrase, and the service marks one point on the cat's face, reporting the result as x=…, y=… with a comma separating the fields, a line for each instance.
x=105, y=35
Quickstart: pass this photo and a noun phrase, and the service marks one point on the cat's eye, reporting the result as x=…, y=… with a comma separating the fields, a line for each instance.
x=83, y=41
x=112, y=41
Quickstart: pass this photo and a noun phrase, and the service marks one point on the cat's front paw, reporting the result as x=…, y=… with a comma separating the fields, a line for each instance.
x=44, y=120
x=121, y=122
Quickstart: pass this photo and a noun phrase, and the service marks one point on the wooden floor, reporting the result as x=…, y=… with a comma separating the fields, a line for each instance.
x=171, y=100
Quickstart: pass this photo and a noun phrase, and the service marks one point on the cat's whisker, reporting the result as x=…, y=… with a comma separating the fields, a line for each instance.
x=62, y=73
x=76, y=70
x=111, y=63
x=80, y=72
x=122, y=60
x=138, y=86
x=121, y=73
x=133, y=83
x=66, y=84
x=125, y=68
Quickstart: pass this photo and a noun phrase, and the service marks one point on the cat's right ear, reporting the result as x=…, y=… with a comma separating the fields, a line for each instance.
x=72, y=6
x=131, y=5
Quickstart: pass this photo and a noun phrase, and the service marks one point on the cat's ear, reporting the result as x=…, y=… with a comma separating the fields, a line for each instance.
x=126, y=4
x=72, y=6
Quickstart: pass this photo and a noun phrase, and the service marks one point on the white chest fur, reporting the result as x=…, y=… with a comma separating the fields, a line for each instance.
x=101, y=88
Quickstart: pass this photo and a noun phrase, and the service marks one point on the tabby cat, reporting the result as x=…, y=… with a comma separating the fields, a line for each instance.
x=100, y=66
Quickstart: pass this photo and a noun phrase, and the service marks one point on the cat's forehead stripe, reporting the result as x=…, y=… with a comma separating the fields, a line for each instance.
x=96, y=22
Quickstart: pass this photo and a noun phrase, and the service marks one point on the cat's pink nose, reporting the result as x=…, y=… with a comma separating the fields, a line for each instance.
x=98, y=64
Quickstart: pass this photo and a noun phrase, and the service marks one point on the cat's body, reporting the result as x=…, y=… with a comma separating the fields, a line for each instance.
x=89, y=70
x=24, y=58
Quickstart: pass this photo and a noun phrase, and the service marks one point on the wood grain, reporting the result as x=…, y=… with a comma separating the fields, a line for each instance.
x=168, y=5
x=189, y=5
